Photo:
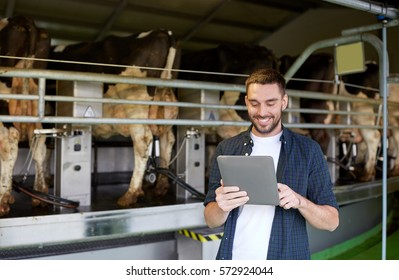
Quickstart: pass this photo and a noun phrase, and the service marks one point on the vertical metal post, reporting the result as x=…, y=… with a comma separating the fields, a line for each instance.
x=385, y=92
x=41, y=93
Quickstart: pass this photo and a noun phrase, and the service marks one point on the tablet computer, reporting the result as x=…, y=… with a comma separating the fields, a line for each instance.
x=254, y=174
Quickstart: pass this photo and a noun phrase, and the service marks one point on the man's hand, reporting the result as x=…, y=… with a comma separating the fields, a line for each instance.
x=230, y=197
x=288, y=198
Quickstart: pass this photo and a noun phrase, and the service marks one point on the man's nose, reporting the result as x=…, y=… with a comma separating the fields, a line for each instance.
x=262, y=110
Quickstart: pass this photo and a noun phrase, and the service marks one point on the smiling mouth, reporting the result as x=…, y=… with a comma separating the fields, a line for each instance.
x=264, y=121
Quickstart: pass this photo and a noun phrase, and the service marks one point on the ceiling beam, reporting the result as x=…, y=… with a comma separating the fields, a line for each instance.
x=205, y=20
x=368, y=6
x=110, y=21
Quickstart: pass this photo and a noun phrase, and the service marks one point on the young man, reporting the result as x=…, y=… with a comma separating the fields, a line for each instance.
x=304, y=183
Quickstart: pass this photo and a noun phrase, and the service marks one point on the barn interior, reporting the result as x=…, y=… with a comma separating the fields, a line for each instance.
x=157, y=228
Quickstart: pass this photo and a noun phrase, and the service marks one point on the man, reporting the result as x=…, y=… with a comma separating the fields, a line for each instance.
x=305, y=186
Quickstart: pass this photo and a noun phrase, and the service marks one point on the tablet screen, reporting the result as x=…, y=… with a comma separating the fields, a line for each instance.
x=254, y=174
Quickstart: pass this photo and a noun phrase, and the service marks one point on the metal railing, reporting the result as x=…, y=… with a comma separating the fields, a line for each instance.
x=42, y=98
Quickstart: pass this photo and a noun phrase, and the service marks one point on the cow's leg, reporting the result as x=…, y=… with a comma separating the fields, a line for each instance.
x=372, y=138
x=166, y=142
x=47, y=166
x=395, y=134
x=39, y=150
x=166, y=136
x=9, y=139
x=142, y=138
x=393, y=121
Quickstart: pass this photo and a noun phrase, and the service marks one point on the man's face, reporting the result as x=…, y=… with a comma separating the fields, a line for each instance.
x=265, y=105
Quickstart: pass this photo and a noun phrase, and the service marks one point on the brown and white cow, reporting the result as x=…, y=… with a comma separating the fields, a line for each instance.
x=151, y=54
x=366, y=85
x=19, y=37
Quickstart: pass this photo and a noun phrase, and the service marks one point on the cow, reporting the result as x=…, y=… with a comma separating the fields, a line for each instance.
x=21, y=38
x=230, y=64
x=317, y=75
x=148, y=54
x=366, y=85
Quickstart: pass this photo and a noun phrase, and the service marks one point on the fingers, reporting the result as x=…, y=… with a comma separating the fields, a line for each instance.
x=229, y=198
x=288, y=198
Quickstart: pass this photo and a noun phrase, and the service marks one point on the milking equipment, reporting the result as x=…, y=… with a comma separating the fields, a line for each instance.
x=191, y=164
x=73, y=150
x=347, y=153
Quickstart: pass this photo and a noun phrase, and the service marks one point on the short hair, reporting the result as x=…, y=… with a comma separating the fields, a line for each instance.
x=266, y=76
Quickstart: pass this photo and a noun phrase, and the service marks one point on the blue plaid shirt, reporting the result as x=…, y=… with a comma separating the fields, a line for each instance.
x=303, y=168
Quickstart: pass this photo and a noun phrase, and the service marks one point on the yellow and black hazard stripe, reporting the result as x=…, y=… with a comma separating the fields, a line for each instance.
x=201, y=237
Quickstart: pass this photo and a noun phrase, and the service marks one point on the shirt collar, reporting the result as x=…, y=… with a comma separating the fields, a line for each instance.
x=283, y=138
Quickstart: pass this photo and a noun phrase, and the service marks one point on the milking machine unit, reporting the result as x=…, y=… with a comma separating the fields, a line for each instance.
x=191, y=141
x=347, y=153
x=380, y=157
x=73, y=149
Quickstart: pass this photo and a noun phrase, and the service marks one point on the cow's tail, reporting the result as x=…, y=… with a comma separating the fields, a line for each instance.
x=167, y=71
x=173, y=59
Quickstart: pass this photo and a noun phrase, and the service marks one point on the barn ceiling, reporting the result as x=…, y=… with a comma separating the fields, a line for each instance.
x=197, y=23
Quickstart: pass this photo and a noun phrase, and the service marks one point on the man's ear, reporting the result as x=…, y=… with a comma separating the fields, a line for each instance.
x=284, y=102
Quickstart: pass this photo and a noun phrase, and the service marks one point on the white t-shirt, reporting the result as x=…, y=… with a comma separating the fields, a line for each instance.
x=254, y=225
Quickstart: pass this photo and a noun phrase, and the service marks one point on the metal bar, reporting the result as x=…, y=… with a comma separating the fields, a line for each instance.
x=111, y=20
x=369, y=28
x=19, y=96
x=183, y=122
x=308, y=111
x=291, y=93
x=96, y=225
x=205, y=20
x=41, y=104
x=109, y=78
x=385, y=94
x=326, y=112
x=368, y=6
x=372, y=39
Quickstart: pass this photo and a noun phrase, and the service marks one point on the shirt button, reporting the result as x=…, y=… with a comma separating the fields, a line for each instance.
x=245, y=144
x=246, y=154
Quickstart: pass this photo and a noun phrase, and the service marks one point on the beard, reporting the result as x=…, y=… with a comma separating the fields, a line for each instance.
x=264, y=129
